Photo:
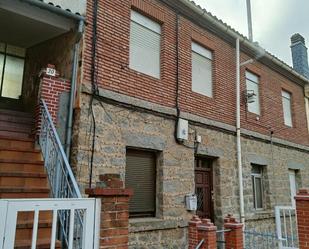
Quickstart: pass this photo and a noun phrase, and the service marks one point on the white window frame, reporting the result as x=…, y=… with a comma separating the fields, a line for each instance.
x=287, y=114
x=151, y=26
x=207, y=55
x=253, y=79
x=293, y=186
x=254, y=176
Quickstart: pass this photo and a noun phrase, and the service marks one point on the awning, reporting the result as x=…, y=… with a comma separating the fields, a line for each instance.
x=25, y=23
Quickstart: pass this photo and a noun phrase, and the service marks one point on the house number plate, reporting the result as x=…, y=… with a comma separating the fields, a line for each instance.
x=51, y=71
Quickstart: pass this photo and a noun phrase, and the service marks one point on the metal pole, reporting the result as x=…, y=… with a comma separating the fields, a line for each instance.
x=250, y=33
x=239, y=159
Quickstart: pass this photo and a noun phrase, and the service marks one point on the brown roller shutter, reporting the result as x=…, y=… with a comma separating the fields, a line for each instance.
x=141, y=177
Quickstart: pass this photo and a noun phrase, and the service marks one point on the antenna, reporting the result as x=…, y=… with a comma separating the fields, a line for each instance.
x=249, y=20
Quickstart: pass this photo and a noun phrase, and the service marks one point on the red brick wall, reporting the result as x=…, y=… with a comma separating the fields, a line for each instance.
x=51, y=88
x=114, y=72
x=302, y=209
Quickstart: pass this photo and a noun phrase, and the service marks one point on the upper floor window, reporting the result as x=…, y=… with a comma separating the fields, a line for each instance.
x=201, y=70
x=145, y=44
x=253, y=100
x=287, y=108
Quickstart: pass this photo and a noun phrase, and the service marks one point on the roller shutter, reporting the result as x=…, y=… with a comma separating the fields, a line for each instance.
x=141, y=177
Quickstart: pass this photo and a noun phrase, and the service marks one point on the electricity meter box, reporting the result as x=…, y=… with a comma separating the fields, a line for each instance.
x=182, y=129
x=191, y=202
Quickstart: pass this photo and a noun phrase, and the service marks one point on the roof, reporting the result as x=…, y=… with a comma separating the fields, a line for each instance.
x=74, y=6
x=214, y=20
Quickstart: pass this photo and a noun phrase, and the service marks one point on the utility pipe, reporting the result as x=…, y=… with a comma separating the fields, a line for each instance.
x=238, y=135
x=250, y=33
x=73, y=88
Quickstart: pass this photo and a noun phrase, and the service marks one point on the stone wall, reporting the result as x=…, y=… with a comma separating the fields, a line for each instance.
x=118, y=127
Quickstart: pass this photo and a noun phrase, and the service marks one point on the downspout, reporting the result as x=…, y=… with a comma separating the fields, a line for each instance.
x=73, y=88
x=238, y=135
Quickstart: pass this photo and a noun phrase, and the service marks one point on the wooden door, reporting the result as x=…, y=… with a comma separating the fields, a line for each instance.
x=204, y=188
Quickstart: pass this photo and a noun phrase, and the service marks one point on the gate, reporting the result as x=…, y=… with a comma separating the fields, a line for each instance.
x=286, y=226
x=80, y=237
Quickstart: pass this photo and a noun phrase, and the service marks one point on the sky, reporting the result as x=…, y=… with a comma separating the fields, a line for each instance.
x=273, y=21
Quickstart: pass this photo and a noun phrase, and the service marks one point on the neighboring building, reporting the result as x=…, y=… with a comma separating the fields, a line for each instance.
x=158, y=61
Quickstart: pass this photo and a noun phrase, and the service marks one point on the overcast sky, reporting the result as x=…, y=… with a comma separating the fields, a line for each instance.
x=274, y=21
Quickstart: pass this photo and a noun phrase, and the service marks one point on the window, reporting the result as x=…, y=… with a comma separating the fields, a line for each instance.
x=201, y=70
x=293, y=185
x=145, y=43
x=141, y=177
x=252, y=84
x=11, y=70
x=287, y=110
x=257, y=184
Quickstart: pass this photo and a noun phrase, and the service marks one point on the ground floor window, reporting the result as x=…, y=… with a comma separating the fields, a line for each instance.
x=257, y=186
x=294, y=182
x=141, y=177
x=12, y=60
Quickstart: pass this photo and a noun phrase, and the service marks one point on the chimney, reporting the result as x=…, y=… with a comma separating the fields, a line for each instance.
x=299, y=55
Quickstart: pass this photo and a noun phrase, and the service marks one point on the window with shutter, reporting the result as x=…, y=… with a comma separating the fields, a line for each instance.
x=287, y=110
x=141, y=177
x=252, y=84
x=145, y=45
x=201, y=70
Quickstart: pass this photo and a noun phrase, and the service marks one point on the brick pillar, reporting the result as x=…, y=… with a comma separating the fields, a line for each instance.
x=234, y=237
x=302, y=209
x=50, y=89
x=193, y=233
x=114, y=228
x=207, y=231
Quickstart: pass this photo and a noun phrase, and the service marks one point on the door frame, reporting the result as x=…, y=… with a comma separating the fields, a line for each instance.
x=211, y=184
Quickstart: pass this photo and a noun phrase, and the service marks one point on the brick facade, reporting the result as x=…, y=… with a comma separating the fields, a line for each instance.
x=302, y=209
x=114, y=72
x=50, y=90
x=114, y=226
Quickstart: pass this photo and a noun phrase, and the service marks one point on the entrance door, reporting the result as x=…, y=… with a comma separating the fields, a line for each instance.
x=12, y=60
x=204, y=187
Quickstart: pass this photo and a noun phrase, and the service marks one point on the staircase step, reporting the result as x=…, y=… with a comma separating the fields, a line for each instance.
x=18, y=167
x=15, y=113
x=23, y=179
x=25, y=216
x=9, y=189
x=23, y=195
x=26, y=233
x=11, y=143
x=18, y=154
x=16, y=119
x=41, y=244
x=26, y=224
x=16, y=134
x=13, y=127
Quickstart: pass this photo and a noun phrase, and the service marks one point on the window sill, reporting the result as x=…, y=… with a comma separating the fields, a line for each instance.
x=260, y=214
x=151, y=224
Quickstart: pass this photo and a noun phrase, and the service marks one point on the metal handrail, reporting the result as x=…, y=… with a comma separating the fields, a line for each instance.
x=200, y=244
x=61, y=178
x=50, y=143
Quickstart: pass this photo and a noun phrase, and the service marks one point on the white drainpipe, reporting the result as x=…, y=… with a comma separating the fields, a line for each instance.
x=238, y=138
